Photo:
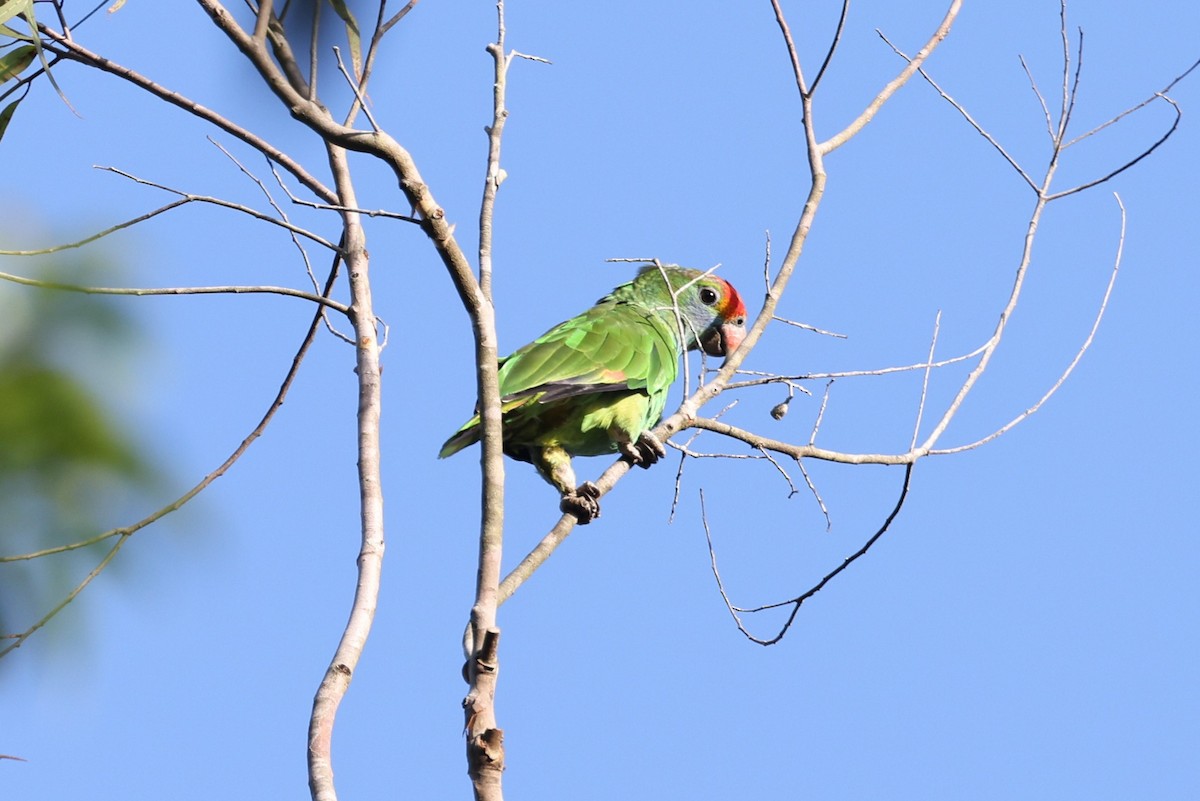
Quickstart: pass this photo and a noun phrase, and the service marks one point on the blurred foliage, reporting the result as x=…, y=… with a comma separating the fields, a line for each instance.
x=68, y=469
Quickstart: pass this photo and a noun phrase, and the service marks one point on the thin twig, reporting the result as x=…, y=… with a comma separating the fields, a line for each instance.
x=226, y=204
x=771, y=378
x=796, y=602
x=1114, y=173
x=808, y=327
x=360, y=100
x=967, y=116
x=837, y=37
x=1041, y=99
x=885, y=94
x=76, y=52
x=308, y=270
x=812, y=487
x=1159, y=94
x=321, y=300
x=937, y=323
x=336, y=207
x=1087, y=343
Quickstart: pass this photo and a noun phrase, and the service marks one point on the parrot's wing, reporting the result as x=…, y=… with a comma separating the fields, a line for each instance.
x=609, y=348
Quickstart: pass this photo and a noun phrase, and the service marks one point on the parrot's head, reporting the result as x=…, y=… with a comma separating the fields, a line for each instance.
x=711, y=311
x=727, y=328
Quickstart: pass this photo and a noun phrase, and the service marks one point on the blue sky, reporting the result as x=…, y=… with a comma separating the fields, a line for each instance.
x=1027, y=629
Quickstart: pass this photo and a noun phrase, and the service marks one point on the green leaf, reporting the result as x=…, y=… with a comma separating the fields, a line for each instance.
x=11, y=8
x=27, y=13
x=352, y=35
x=14, y=63
x=6, y=115
x=7, y=31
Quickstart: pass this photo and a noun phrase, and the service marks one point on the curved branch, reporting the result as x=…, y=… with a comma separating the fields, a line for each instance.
x=336, y=681
x=71, y=49
x=322, y=300
x=967, y=116
x=377, y=143
x=225, y=204
x=1138, y=107
x=800, y=599
x=885, y=94
x=787, y=379
x=1087, y=343
x=1131, y=162
x=837, y=37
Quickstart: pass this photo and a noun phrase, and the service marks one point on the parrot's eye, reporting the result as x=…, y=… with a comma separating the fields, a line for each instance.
x=708, y=296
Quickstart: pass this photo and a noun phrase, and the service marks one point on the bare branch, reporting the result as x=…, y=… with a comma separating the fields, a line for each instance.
x=796, y=602
x=369, y=562
x=308, y=270
x=76, y=52
x=1041, y=99
x=837, y=37
x=1159, y=94
x=178, y=290
x=771, y=378
x=484, y=738
x=812, y=487
x=18, y=640
x=266, y=10
x=885, y=94
x=98, y=235
x=967, y=116
x=1074, y=91
x=379, y=144
x=1162, y=139
x=778, y=467
x=1087, y=343
x=937, y=322
x=1065, y=94
x=336, y=207
x=808, y=327
x=399, y=15
x=360, y=100
x=793, y=55
x=804, y=451
x=215, y=201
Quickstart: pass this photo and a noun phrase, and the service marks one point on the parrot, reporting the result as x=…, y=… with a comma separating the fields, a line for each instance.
x=597, y=383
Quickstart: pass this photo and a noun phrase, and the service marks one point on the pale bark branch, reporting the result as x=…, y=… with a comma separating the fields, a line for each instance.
x=885, y=94
x=369, y=562
x=967, y=116
x=74, y=51
x=177, y=290
x=1070, y=368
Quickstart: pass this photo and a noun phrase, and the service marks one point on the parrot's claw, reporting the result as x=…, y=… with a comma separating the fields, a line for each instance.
x=584, y=503
x=646, y=451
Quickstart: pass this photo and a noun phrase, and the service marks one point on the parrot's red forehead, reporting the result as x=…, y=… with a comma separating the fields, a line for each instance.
x=733, y=305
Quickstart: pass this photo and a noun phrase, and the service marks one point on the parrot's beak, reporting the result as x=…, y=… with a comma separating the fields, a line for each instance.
x=722, y=340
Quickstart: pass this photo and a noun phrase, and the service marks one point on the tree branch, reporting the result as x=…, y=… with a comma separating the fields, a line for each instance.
x=74, y=51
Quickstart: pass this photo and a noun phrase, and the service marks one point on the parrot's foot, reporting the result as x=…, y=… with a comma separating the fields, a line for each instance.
x=646, y=451
x=584, y=503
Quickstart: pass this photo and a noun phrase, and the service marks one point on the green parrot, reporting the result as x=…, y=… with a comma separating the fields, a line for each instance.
x=597, y=383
